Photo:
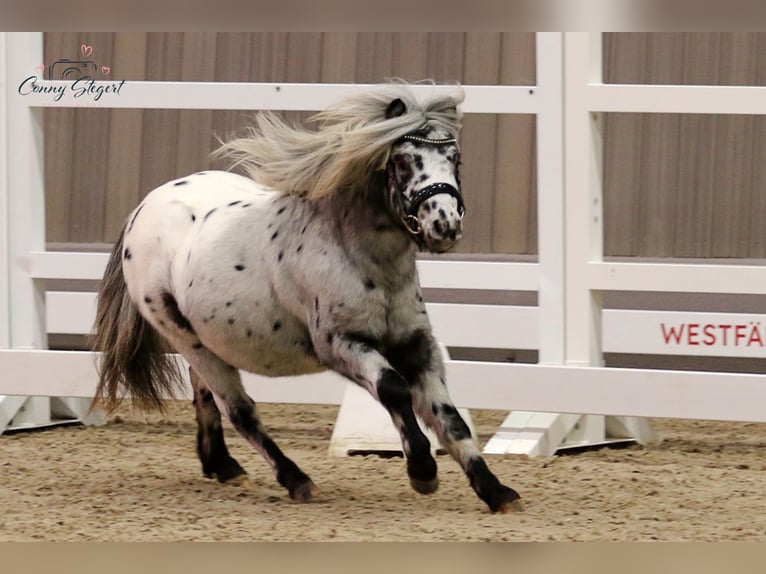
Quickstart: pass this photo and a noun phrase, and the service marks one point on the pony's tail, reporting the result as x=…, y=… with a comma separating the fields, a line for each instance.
x=133, y=354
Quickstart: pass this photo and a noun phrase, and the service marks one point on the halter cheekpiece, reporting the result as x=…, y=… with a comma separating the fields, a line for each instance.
x=410, y=219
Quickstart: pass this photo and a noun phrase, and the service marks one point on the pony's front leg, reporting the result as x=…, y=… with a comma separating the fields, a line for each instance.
x=433, y=404
x=357, y=359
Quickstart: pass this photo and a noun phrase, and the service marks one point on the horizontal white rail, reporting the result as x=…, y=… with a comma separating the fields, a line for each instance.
x=662, y=99
x=67, y=265
x=253, y=96
x=480, y=275
x=517, y=327
x=542, y=388
x=677, y=278
x=457, y=325
x=495, y=275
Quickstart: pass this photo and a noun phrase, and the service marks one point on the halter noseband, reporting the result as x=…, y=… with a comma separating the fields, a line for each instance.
x=410, y=219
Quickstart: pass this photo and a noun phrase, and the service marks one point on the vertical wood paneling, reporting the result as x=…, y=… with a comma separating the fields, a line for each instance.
x=755, y=215
x=482, y=65
x=517, y=58
x=737, y=135
x=123, y=182
x=304, y=54
x=339, y=57
x=660, y=143
x=195, y=126
x=514, y=213
x=623, y=216
x=695, y=179
x=410, y=56
x=374, y=62
x=59, y=143
x=268, y=57
x=139, y=149
x=446, y=53
x=89, y=156
x=251, y=59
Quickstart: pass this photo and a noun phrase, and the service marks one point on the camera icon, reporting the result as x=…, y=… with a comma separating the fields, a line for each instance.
x=66, y=69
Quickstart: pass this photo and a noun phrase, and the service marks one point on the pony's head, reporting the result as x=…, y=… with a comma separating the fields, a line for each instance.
x=413, y=140
x=423, y=184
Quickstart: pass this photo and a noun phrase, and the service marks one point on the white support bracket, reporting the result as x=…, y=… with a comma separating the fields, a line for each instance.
x=19, y=413
x=544, y=434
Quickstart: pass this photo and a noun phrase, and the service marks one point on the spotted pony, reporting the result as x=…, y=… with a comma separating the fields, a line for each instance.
x=305, y=264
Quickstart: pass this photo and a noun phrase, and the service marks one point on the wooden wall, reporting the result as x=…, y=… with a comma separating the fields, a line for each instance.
x=675, y=185
x=101, y=162
x=679, y=185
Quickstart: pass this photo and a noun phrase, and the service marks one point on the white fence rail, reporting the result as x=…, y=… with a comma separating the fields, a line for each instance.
x=567, y=327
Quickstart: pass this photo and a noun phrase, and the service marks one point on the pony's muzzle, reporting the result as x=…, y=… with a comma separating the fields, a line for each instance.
x=442, y=225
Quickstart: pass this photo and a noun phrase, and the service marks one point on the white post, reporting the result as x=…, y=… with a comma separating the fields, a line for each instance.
x=524, y=432
x=569, y=160
x=583, y=65
x=23, y=210
x=550, y=191
x=26, y=194
x=5, y=334
x=583, y=181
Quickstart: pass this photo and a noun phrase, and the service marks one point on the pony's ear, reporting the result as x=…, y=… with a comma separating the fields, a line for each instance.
x=395, y=109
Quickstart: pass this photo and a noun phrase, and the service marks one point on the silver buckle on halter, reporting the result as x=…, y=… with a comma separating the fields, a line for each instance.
x=412, y=224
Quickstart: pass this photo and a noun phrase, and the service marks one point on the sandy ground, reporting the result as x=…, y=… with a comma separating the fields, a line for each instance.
x=138, y=479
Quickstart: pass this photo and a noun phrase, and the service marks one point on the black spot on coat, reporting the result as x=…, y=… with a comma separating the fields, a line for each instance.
x=411, y=356
x=174, y=313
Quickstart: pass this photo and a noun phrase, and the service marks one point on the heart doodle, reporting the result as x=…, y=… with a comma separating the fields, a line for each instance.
x=86, y=50
x=39, y=69
x=105, y=70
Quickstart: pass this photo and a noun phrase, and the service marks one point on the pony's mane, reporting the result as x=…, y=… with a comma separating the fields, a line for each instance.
x=352, y=140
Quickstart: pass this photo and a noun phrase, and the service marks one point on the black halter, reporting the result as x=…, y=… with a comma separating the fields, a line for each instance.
x=410, y=208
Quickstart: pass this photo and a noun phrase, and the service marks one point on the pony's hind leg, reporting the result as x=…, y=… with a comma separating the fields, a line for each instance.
x=224, y=383
x=211, y=447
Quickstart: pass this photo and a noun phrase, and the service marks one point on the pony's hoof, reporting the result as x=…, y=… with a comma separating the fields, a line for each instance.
x=511, y=506
x=241, y=480
x=305, y=492
x=425, y=486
